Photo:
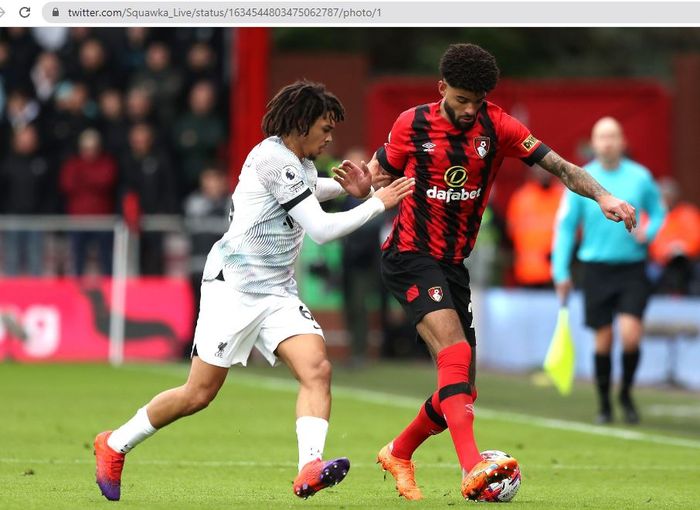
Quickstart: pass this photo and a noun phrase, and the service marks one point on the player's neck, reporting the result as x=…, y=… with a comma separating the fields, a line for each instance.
x=293, y=143
x=443, y=112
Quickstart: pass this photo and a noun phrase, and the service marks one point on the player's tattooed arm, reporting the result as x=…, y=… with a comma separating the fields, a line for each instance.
x=574, y=177
x=579, y=181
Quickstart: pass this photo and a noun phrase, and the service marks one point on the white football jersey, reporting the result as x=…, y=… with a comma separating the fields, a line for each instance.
x=258, y=252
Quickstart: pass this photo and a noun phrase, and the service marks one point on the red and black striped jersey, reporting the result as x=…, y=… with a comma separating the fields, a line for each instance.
x=454, y=172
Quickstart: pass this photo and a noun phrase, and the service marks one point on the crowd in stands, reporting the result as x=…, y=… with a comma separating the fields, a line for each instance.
x=96, y=120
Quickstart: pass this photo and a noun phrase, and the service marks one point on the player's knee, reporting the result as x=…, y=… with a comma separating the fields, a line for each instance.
x=318, y=373
x=325, y=371
x=199, y=398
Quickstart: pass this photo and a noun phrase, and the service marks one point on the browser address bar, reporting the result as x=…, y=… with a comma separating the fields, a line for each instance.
x=210, y=12
x=495, y=13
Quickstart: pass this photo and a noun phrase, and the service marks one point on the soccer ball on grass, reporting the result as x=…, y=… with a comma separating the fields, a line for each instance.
x=504, y=490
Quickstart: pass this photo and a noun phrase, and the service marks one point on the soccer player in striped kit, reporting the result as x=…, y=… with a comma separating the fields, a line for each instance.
x=249, y=295
x=454, y=148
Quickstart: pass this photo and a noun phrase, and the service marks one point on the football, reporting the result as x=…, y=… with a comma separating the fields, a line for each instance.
x=504, y=490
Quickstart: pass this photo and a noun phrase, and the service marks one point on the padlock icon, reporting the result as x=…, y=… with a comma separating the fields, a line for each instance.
x=54, y=13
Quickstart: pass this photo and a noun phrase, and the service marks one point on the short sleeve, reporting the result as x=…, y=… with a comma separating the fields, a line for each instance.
x=392, y=156
x=282, y=178
x=518, y=142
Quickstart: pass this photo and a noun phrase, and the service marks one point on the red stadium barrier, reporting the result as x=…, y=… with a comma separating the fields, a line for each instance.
x=64, y=320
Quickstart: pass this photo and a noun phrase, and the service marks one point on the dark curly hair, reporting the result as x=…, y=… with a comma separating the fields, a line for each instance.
x=297, y=106
x=469, y=67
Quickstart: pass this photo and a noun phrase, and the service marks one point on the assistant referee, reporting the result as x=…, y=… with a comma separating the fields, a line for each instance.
x=614, y=277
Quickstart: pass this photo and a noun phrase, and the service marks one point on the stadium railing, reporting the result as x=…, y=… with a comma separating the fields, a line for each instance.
x=125, y=242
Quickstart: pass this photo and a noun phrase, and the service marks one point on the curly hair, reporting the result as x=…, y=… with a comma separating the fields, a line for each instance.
x=297, y=106
x=469, y=67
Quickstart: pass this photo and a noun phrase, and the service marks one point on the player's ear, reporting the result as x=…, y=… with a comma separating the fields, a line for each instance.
x=442, y=88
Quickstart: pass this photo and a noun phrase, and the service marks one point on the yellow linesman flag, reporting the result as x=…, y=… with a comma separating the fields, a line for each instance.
x=560, y=362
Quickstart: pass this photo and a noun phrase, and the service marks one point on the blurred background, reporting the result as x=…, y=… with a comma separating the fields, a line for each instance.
x=119, y=148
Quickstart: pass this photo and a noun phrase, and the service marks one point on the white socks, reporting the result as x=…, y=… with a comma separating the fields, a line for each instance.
x=132, y=432
x=311, y=436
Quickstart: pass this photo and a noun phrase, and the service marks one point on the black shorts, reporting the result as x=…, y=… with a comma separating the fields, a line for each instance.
x=423, y=285
x=614, y=288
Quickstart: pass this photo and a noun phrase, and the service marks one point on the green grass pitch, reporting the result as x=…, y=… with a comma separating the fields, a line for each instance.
x=241, y=451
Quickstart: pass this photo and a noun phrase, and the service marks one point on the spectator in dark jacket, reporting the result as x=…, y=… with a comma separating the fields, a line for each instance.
x=149, y=175
x=27, y=186
x=22, y=55
x=201, y=65
x=89, y=184
x=95, y=69
x=133, y=54
x=72, y=116
x=197, y=135
x=112, y=123
x=162, y=80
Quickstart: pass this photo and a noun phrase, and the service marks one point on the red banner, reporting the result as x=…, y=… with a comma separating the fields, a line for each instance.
x=64, y=320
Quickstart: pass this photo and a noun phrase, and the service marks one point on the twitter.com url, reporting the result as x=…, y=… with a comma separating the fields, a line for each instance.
x=280, y=13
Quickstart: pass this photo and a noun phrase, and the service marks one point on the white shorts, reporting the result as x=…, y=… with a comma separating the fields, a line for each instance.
x=231, y=323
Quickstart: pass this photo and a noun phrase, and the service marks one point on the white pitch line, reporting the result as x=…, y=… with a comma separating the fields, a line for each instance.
x=388, y=399
x=677, y=411
x=362, y=465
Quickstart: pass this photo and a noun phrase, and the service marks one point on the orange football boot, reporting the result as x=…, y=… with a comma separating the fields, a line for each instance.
x=403, y=472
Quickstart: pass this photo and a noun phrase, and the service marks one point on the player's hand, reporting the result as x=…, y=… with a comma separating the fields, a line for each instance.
x=618, y=210
x=563, y=289
x=380, y=177
x=392, y=194
x=355, y=179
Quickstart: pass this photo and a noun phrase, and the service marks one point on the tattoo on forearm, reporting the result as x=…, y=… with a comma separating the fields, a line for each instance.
x=574, y=177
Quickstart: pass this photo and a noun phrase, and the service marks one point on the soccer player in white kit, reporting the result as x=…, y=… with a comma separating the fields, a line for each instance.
x=249, y=295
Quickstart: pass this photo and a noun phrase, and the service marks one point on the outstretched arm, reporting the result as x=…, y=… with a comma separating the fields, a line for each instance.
x=323, y=227
x=579, y=181
x=574, y=177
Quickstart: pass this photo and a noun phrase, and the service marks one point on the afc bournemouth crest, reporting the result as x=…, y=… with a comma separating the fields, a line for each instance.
x=435, y=294
x=482, y=144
